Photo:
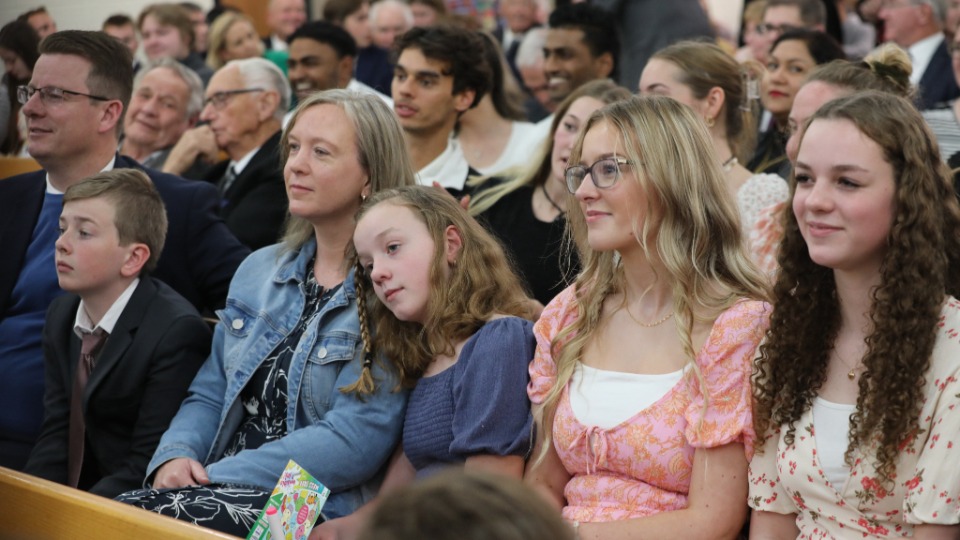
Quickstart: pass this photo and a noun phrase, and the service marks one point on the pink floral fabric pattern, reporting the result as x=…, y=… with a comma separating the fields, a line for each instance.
x=788, y=479
x=643, y=465
x=764, y=236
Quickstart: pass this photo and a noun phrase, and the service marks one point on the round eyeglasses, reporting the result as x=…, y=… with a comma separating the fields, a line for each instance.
x=604, y=173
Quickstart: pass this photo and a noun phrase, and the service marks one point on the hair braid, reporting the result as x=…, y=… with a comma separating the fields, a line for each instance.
x=365, y=384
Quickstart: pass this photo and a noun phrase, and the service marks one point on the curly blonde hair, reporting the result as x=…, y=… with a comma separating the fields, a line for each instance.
x=693, y=222
x=921, y=266
x=480, y=285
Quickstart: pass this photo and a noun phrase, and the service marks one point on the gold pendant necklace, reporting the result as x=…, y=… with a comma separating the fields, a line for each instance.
x=852, y=374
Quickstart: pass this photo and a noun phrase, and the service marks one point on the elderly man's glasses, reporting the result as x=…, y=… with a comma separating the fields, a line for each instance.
x=219, y=100
x=604, y=173
x=765, y=28
x=50, y=95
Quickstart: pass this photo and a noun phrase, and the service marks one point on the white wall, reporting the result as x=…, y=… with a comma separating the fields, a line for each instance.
x=727, y=12
x=80, y=14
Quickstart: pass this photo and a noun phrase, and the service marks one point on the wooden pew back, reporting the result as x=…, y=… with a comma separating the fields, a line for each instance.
x=11, y=166
x=36, y=509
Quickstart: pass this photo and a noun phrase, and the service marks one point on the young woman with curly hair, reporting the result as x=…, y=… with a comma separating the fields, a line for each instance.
x=858, y=382
x=641, y=377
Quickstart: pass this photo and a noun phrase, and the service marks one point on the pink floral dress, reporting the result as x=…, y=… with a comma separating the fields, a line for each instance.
x=789, y=479
x=643, y=465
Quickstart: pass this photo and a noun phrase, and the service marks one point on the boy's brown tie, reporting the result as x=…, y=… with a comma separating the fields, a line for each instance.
x=92, y=344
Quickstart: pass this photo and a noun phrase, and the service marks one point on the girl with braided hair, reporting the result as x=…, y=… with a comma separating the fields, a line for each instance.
x=452, y=315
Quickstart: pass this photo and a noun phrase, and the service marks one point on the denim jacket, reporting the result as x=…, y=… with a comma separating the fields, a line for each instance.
x=340, y=439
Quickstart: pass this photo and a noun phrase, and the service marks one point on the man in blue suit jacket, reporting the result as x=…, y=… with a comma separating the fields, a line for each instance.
x=74, y=108
x=917, y=26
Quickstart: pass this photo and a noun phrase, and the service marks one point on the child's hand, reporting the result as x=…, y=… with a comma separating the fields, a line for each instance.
x=180, y=472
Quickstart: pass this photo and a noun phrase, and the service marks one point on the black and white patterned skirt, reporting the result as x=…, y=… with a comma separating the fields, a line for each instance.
x=228, y=508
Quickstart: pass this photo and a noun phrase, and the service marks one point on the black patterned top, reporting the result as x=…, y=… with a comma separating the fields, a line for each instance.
x=264, y=398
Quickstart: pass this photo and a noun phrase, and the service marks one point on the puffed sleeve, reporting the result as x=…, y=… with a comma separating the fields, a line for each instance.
x=492, y=412
x=766, y=491
x=933, y=487
x=764, y=236
x=726, y=364
x=559, y=313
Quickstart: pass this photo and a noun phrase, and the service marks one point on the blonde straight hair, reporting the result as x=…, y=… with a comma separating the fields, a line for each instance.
x=691, y=218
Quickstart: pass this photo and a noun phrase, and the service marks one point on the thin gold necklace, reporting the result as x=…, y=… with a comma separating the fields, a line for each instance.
x=648, y=325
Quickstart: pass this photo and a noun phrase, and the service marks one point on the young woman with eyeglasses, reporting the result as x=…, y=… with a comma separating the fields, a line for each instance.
x=641, y=378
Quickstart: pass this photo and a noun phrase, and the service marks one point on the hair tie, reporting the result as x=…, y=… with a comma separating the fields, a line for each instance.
x=367, y=360
x=885, y=71
x=752, y=86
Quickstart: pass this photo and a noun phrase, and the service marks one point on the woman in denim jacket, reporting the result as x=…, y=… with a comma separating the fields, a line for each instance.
x=291, y=375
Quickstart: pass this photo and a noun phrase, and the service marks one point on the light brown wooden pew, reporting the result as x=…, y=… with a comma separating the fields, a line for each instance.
x=10, y=166
x=36, y=509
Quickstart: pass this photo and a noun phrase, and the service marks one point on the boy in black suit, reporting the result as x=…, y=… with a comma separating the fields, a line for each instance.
x=121, y=351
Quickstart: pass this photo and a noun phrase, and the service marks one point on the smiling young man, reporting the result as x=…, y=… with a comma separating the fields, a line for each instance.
x=167, y=32
x=440, y=73
x=321, y=58
x=581, y=46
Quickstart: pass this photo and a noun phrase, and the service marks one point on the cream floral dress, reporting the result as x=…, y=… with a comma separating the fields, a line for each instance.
x=789, y=479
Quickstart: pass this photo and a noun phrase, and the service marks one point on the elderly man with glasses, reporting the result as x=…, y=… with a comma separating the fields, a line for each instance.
x=242, y=114
x=74, y=107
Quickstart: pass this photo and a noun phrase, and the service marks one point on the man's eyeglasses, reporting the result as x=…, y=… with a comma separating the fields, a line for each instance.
x=604, y=173
x=896, y=4
x=50, y=95
x=778, y=29
x=219, y=99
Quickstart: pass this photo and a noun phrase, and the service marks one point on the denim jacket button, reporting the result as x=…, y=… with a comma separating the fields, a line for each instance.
x=322, y=353
x=237, y=324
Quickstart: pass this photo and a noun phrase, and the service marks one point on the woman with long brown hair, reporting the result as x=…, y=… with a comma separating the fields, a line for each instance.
x=858, y=381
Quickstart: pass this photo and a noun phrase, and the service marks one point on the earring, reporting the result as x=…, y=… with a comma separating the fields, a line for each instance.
x=709, y=121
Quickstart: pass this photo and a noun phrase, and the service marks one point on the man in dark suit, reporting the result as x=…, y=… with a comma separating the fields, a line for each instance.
x=518, y=17
x=245, y=104
x=74, y=108
x=917, y=26
x=121, y=352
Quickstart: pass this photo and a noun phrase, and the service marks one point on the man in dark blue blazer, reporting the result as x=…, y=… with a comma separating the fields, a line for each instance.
x=938, y=83
x=917, y=26
x=74, y=108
